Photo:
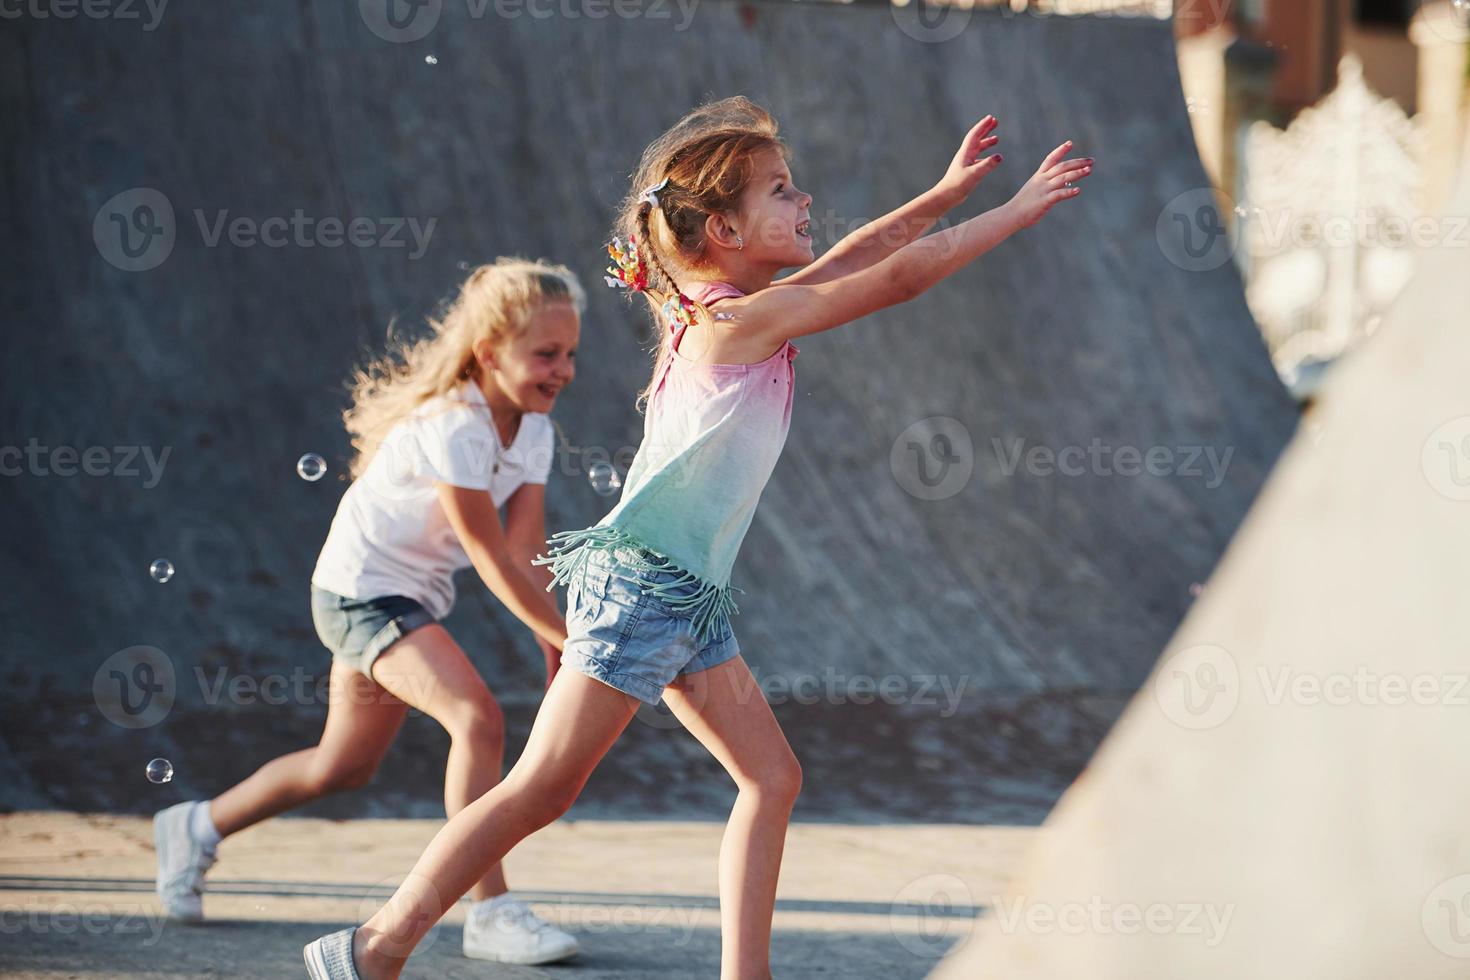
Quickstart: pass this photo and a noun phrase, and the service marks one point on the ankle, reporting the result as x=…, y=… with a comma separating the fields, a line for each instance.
x=202, y=828
x=378, y=955
x=762, y=972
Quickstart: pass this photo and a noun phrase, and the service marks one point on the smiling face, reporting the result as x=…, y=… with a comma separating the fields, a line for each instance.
x=774, y=216
x=532, y=369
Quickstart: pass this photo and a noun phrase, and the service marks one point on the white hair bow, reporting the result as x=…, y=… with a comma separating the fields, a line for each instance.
x=650, y=194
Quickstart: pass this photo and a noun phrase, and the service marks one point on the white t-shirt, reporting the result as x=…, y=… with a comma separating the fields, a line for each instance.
x=390, y=535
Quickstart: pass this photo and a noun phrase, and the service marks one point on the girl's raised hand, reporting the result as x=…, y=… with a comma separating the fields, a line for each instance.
x=970, y=163
x=1054, y=181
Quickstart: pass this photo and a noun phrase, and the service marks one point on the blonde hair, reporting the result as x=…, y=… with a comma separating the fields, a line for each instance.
x=495, y=303
x=708, y=160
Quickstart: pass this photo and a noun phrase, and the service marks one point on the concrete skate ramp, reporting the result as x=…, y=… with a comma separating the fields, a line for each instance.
x=1035, y=595
x=1286, y=797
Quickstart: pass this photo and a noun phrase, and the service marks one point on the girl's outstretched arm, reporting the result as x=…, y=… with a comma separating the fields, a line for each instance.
x=783, y=311
x=875, y=241
x=473, y=516
x=525, y=530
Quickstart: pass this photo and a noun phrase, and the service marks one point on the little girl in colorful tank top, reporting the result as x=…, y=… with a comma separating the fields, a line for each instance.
x=711, y=437
x=649, y=600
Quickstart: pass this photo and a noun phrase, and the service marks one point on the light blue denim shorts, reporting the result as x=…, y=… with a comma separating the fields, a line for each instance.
x=631, y=641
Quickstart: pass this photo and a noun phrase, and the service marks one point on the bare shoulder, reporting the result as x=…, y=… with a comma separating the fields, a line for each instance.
x=736, y=335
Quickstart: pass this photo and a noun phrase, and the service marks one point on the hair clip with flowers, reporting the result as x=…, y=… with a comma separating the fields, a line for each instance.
x=627, y=270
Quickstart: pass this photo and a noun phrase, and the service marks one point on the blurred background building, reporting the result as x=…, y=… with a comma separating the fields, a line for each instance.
x=1331, y=130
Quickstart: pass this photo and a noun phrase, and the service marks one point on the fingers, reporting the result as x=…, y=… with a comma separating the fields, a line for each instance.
x=1064, y=177
x=984, y=127
x=1070, y=167
x=1055, y=156
x=988, y=163
x=1053, y=198
x=973, y=155
x=980, y=138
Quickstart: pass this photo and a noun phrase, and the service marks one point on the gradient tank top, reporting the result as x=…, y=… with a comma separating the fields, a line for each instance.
x=712, y=434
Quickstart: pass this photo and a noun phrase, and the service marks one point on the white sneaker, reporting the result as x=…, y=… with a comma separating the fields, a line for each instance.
x=505, y=930
x=330, y=957
x=182, y=862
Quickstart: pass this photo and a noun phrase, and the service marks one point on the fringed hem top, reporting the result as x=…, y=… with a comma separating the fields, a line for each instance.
x=712, y=435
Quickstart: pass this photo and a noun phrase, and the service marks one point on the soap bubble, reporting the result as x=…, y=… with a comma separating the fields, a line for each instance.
x=160, y=771
x=604, y=479
x=311, y=467
x=430, y=60
x=162, y=570
x=1195, y=589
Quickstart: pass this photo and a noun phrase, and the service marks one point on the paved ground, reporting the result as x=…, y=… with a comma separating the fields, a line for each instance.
x=76, y=897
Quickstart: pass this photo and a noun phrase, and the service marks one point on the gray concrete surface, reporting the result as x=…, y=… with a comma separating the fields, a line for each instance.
x=1039, y=598
x=862, y=902
x=1285, y=797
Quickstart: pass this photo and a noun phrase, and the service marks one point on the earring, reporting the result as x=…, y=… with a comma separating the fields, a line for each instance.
x=739, y=242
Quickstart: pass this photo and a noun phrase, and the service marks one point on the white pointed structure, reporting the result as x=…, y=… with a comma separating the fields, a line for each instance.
x=1330, y=211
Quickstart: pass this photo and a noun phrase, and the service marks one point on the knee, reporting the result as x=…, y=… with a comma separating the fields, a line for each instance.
x=477, y=721
x=544, y=803
x=554, y=803
x=777, y=784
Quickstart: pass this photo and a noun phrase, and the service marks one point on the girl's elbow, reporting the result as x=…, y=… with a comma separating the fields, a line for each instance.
x=905, y=284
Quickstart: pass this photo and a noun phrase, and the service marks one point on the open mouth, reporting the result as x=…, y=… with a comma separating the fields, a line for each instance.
x=547, y=390
x=804, y=229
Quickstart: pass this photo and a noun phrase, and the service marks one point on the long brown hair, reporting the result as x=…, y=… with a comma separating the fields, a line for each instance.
x=494, y=303
x=708, y=160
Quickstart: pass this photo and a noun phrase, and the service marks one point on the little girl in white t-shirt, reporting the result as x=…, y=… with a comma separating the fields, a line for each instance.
x=446, y=432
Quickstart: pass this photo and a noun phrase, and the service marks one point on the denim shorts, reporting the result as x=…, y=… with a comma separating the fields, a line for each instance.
x=357, y=631
x=631, y=641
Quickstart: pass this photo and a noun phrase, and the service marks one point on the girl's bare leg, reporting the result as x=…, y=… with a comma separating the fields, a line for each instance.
x=428, y=670
x=578, y=722
x=724, y=708
x=362, y=721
